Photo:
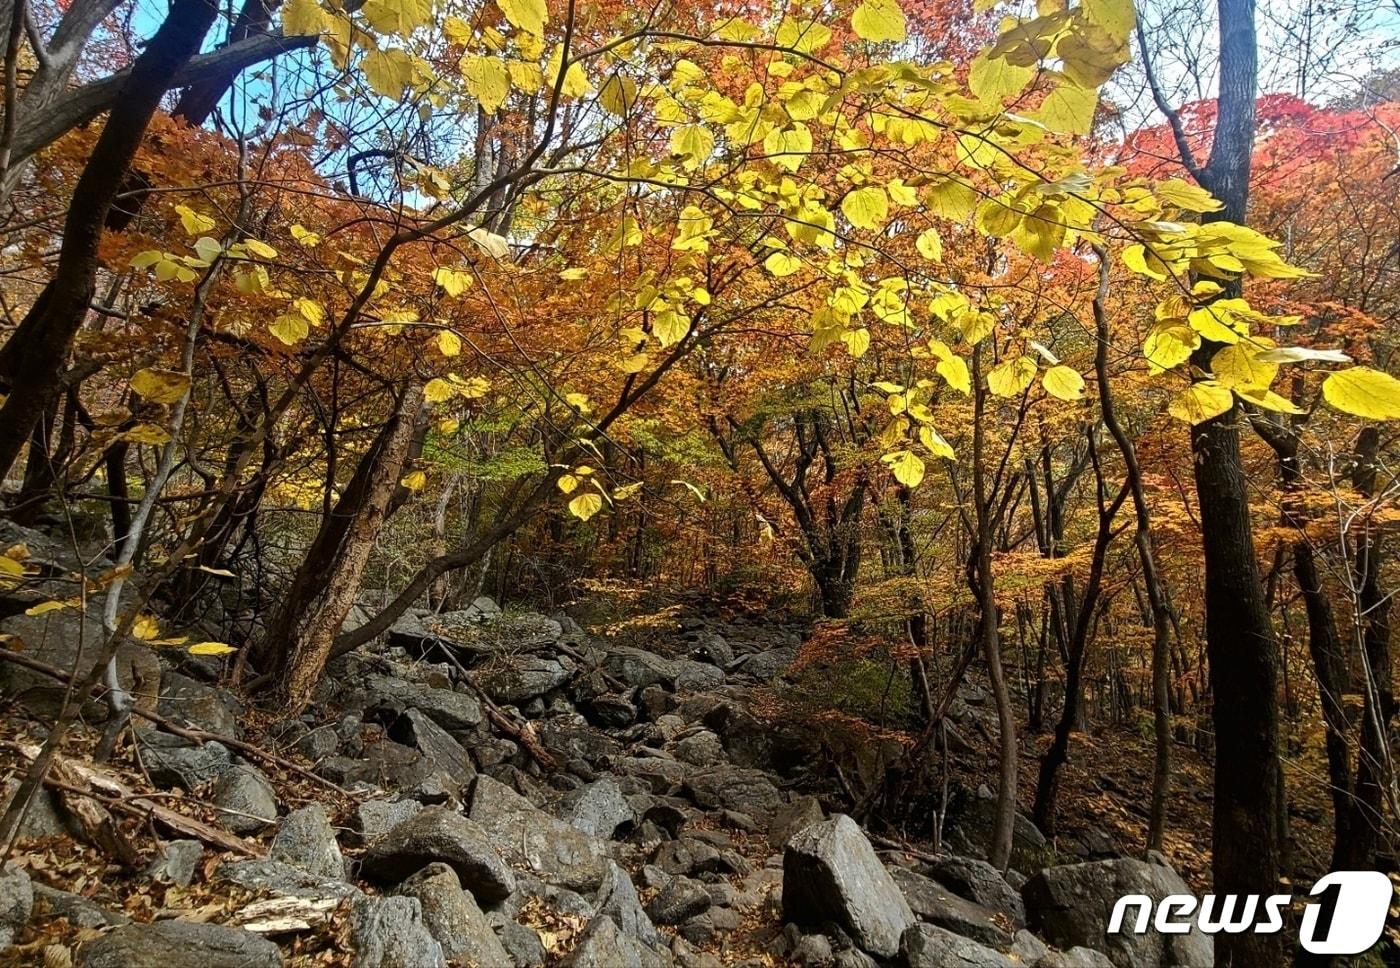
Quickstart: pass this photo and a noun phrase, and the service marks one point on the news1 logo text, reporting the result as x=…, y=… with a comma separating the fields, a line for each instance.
x=1346, y=917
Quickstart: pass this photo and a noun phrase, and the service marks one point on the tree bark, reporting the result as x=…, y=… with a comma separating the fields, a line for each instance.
x=36, y=373
x=329, y=579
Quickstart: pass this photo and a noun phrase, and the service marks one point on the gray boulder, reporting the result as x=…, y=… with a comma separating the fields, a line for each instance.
x=166, y=944
x=600, y=808
x=734, y=788
x=245, y=799
x=453, y=918
x=388, y=932
x=929, y=946
x=177, y=862
x=306, y=839
x=831, y=873
x=187, y=700
x=439, y=834
x=50, y=903
x=16, y=903
x=274, y=877
x=375, y=818
x=1071, y=905
x=453, y=711
x=556, y=852
x=793, y=817
x=603, y=945
x=1075, y=957
x=617, y=899
x=934, y=903
x=979, y=881
x=679, y=901
x=516, y=679
x=175, y=762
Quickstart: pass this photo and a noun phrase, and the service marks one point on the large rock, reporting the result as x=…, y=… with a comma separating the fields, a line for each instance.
x=52, y=903
x=179, y=944
x=439, y=834
x=173, y=761
x=680, y=900
x=16, y=903
x=516, y=679
x=1071, y=905
x=245, y=799
x=388, y=932
x=733, y=788
x=603, y=945
x=186, y=700
x=617, y=899
x=443, y=753
x=556, y=852
x=59, y=637
x=929, y=946
x=831, y=873
x=275, y=877
x=979, y=881
x=453, y=711
x=599, y=808
x=375, y=818
x=453, y=918
x=934, y=903
x=307, y=840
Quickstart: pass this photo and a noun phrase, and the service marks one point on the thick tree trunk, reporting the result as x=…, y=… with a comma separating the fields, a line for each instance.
x=36, y=369
x=329, y=579
x=1243, y=653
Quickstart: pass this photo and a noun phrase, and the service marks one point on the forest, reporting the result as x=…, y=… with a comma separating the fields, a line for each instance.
x=868, y=483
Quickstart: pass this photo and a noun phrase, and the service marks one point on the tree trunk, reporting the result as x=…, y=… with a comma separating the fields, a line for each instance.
x=982, y=584
x=1240, y=644
x=329, y=579
x=37, y=367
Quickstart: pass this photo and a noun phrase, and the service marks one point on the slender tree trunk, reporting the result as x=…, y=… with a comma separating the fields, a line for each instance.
x=37, y=370
x=982, y=581
x=312, y=628
x=1152, y=581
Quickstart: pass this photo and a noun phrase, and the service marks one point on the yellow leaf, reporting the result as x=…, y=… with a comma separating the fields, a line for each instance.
x=449, y=343
x=618, y=95
x=879, y=20
x=1238, y=367
x=857, y=341
x=414, y=481
x=44, y=607
x=694, y=142
x=389, y=72
x=585, y=506
x=452, y=282
x=1364, y=392
x=906, y=466
x=1184, y=195
x=146, y=433
x=993, y=79
x=160, y=386
x=1138, y=259
x=195, y=223
x=782, y=264
x=397, y=16
x=935, y=444
x=304, y=236
x=567, y=483
x=437, y=390
x=290, y=328
x=259, y=248
x=528, y=15
x=1169, y=345
x=210, y=648
x=1069, y=108
x=145, y=627
x=1114, y=16
x=1011, y=376
x=866, y=208
x=487, y=80
x=1268, y=399
x=930, y=245
x=788, y=147
x=1201, y=401
x=1063, y=383
x=302, y=17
